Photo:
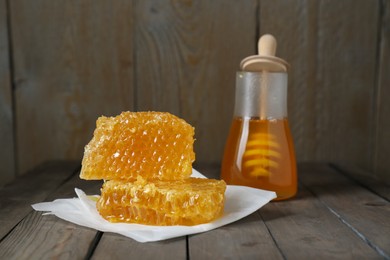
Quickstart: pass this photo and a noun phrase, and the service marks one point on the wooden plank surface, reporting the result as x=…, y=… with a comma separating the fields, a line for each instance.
x=17, y=197
x=114, y=246
x=7, y=161
x=60, y=239
x=303, y=228
x=382, y=146
x=365, y=179
x=331, y=46
x=54, y=238
x=73, y=63
x=187, y=56
x=347, y=35
x=39, y=182
x=332, y=217
x=76, y=61
x=366, y=213
x=248, y=238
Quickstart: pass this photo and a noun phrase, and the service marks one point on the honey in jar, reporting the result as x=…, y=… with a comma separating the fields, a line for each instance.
x=259, y=151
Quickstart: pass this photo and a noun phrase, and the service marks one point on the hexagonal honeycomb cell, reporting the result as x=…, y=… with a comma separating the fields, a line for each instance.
x=153, y=145
x=185, y=202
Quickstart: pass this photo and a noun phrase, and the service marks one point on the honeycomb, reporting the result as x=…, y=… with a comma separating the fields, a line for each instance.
x=184, y=202
x=153, y=145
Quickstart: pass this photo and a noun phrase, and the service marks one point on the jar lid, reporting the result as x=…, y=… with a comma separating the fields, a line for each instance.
x=266, y=59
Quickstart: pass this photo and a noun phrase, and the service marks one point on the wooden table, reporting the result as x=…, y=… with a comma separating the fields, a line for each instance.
x=334, y=216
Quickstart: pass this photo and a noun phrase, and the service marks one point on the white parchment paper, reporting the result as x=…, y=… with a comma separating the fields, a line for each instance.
x=240, y=202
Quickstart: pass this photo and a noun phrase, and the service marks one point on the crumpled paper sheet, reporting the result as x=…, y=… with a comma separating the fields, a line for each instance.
x=240, y=202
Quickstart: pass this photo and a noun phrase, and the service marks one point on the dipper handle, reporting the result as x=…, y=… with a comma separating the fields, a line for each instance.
x=266, y=59
x=267, y=45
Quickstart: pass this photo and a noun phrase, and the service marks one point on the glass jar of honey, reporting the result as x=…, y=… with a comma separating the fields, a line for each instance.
x=259, y=151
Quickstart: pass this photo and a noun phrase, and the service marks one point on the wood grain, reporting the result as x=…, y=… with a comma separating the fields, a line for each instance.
x=366, y=179
x=17, y=197
x=305, y=223
x=248, y=238
x=125, y=247
x=331, y=217
x=382, y=145
x=187, y=56
x=355, y=206
x=53, y=238
x=346, y=77
x=7, y=161
x=73, y=63
x=331, y=46
x=294, y=24
x=40, y=180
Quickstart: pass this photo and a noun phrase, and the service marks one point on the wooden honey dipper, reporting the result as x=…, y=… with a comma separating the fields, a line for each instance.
x=262, y=148
x=266, y=59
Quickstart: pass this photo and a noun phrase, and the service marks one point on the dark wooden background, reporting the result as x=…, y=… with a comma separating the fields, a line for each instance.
x=64, y=63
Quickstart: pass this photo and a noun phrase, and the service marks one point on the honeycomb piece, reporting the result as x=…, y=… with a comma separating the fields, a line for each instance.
x=153, y=145
x=184, y=202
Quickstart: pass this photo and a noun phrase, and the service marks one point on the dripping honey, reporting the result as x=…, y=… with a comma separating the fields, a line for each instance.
x=260, y=154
